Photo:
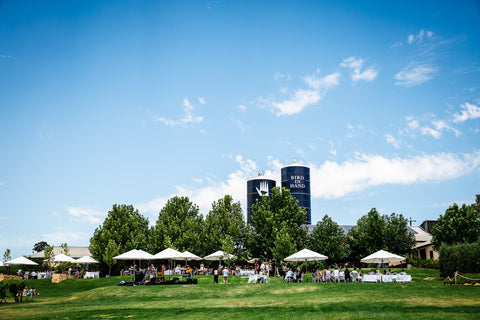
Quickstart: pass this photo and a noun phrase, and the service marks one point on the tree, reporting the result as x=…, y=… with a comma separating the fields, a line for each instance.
x=328, y=238
x=374, y=232
x=40, y=246
x=476, y=205
x=225, y=219
x=110, y=251
x=284, y=244
x=123, y=225
x=179, y=225
x=65, y=249
x=273, y=218
x=48, y=255
x=457, y=225
x=7, y=255
x=397, y=237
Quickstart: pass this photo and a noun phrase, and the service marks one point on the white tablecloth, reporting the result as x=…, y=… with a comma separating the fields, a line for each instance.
x=44, y=275
x=371, y=278
x=255, y=278
x=92, y=274
x=246, y=272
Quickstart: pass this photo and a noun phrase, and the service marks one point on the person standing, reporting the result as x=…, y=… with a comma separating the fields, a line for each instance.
x=215, y=276
x=225, y=275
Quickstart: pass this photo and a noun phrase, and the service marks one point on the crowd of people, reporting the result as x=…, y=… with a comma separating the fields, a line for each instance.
x=336, y=274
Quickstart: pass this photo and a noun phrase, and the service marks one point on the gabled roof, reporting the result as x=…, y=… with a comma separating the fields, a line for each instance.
x=74, y=252
x=420, y=234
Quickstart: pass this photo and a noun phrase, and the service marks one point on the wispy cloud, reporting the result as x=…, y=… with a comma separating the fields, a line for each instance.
x=419, y=37
x=188, y=119
x=242, y=107
x=87, y=214
x=356, y=65
x=316, y=89
x=469, y=112
x=3, y=56
x=201, y=100
x=415, y=74
x=392, y=140
x=239, y=124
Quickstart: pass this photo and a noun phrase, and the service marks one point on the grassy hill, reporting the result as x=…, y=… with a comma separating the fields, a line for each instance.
x=426, y=297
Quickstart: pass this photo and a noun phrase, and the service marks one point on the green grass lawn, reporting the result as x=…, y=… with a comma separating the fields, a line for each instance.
x=424, y=298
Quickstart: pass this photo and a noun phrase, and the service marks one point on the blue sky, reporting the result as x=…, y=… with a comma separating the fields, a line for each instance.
x=133, y=102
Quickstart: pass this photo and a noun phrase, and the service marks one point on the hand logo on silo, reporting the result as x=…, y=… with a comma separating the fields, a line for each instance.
x=263, y=191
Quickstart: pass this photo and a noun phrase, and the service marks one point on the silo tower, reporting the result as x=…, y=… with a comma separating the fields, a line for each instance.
x=296, y=178
x=256, y=188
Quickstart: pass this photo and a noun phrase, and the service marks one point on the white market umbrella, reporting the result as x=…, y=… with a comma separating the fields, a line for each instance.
x=219, y=255
x=187, y=256
x=22, y=261
x=134, y=254
x=382, y=256
x=86, y=259
x=168, y=254
x=62, y=258
x=306, y=255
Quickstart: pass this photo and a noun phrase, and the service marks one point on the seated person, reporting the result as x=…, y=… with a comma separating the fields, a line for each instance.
x=299, y=275
x=327, y=275
x=360, y=273
x=290, y=276
x=341, y=276
x=319, y=276
x=403, y=273
x=347, y=275
x=335, y=275
x=371, y=272
x=354, y=274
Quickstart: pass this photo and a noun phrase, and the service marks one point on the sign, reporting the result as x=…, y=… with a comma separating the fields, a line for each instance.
x=296, y=182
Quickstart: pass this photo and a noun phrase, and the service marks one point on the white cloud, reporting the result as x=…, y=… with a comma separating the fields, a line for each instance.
x=201, y=100
x=279, y=76
x=334, y=180
x=415, y=74
x=330, y=179
x=87, y=214
x=2, y=183
x=419, y=37
x=391, y=139
x=301, y=98
x=469, y=112
x=242, y=107
x=429, y=131
x=188, y=118
x=239, y=124
x=356, y=64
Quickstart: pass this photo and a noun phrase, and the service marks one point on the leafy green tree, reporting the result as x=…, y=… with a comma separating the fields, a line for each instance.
x=110, y=251
x=65, y=249
x=224, y=220
x=476, y=205
x=228, y=247
x=328, y=238
x=277, y=213
x=284, y=243
x=125, y=227
x=457, y=225
x=40, y=246
x=7, y=255
x=374, y=232
x=179, y=226
x=48, y=255
x=368, y=236
x=397, y=237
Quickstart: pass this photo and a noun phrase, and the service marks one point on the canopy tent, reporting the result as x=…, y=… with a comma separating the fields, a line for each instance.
x=219, y=255
x=382, y=256
x=1, y=264
x=168, y=254
x=134, y=254
x=187, y=256
x=22, y=261
x=86, y=260
x=62, y=258
x=305, y=255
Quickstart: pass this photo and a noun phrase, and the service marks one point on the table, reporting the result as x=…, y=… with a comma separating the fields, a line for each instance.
x=371, y=278
x=256, y=278
x=92, y=274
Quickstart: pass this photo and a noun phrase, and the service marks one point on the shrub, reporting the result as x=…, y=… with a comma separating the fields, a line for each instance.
x=464, y=258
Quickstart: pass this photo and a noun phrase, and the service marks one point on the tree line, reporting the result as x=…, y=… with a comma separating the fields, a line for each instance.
x=276, y=230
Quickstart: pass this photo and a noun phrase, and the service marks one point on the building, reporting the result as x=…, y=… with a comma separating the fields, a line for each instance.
x=296, y=178
x=424, y=247
x=256, y=189
x=74, y=252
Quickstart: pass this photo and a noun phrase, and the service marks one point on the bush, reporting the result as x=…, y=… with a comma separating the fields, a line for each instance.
x=423, y=263
x=464, y=258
